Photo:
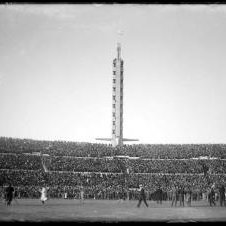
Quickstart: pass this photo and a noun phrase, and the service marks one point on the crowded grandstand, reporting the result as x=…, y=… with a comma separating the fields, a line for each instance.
x=107, y=172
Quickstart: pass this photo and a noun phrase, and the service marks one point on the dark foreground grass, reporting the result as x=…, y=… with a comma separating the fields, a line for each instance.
x=107, y=211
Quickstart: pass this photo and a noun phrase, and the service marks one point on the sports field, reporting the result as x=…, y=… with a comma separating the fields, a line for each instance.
x=105, y=210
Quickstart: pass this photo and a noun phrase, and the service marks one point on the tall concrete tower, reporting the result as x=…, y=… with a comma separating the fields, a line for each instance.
x=117, y=99
x=117, y=102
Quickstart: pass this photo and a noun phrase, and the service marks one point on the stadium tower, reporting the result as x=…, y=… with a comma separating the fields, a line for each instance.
x=117, y=102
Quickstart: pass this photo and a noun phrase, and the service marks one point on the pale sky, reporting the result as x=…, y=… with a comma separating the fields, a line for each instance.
x=56, y=72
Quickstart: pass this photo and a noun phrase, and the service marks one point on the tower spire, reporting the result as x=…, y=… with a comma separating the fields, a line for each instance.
x=120, y=33
x=119, y=50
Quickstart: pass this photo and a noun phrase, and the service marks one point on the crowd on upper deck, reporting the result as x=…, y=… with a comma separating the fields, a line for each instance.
x=64, y=148
x=114, y=164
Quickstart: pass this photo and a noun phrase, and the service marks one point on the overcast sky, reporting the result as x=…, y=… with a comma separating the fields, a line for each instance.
x=56, y=72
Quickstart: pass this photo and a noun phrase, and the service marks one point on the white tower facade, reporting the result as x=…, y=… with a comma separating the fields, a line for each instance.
x=117, y=102
x=117, y=99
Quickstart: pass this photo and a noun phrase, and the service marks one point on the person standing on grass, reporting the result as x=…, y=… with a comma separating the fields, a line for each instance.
x=65, y=195
x=212, y=196
x=1, y=188
x=9, y=194
x=174, y=195
x=181, y=196
x=142, y=196
x=81, y=194
x=15, y=195
x=159, y=194
x=222, y=195
x=189, y=195
x=44, y=194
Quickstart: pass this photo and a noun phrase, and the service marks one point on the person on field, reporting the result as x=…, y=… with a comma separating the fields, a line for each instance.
x=81, y=194
x=212, y=196
x=159, y=195
x=44, y=195
x=188, y=197
x=9, y=194
x=181, y=196
x=142, y=196
x=174, y=195
x=15, y=196
x=222, y=195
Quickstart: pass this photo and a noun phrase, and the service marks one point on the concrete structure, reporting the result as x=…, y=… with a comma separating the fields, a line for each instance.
x=117, y=102
x=117, y=99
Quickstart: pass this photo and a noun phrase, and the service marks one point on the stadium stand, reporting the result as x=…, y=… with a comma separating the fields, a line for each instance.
x=106, y=172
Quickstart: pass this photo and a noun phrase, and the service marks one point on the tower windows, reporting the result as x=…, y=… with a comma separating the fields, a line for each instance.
x=114, y=80
x=114, y=89
x=113, y=97
x=113, y=131
x=113, y=105
x=114, y=72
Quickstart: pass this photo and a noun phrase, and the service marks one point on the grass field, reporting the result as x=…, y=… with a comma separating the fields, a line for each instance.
x=105, y=210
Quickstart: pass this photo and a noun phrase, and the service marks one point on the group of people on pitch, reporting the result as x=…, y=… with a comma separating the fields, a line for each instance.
x=178, y=194
x=9, y=194
x=212, y=194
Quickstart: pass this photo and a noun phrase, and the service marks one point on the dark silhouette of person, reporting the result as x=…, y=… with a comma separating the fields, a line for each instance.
x=142, y=197
x=9, y=194
x=189, y=197
x=212, y=196
x=159, y=194
x=222, y=195
x=181, y=196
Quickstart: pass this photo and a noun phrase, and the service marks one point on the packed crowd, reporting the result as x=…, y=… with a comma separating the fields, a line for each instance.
x=190, y=166
x=20, y=161
x=114, y=164
x=162, y=151
x=39, y=178
x=106, y=183
x=83, y=164
x=102, y=170
x=121, y=165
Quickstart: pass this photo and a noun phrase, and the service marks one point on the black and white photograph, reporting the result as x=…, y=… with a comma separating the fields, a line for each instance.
x=112, y=112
